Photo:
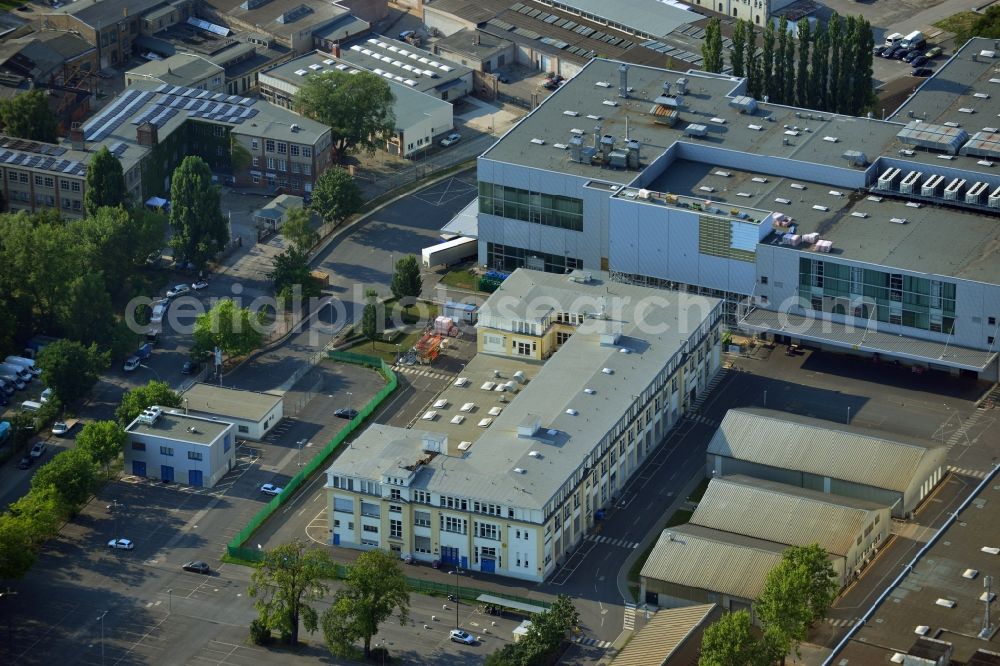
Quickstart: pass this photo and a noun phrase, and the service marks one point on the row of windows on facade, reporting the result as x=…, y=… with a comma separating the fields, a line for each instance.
x=24, y=196
x=550, y=210
x=45, y=181
x=167, y=451
x=283, y=165
x=282, y=148
x=274, y=181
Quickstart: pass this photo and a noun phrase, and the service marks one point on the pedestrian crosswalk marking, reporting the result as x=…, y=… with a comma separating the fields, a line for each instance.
x=420, y=372
x=623, y=543
x=965, y=471
x=840, y=623
x=604, y=645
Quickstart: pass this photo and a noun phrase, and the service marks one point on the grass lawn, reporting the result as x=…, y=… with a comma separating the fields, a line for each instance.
x=958, y=23
x=461, y=278
x=386, y=350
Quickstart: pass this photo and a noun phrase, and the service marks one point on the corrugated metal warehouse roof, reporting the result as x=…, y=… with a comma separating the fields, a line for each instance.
x=767, y=439
x=782, y=513
x=707, y=559
x=663, y=634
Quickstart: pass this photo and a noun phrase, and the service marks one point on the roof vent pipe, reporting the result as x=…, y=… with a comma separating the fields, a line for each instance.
x=623, y=80
x=597, y=136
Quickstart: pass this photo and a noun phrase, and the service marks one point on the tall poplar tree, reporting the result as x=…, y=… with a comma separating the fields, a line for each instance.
x=788, y=82
x=777, y=90
x=802, y=76
x=736, y=54
x=767, y=63
x=751, y=64
x=711, y=47
x=836, y=52
x=818, y=70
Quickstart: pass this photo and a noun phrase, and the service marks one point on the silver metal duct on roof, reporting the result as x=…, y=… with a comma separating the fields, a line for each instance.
x=933, y=136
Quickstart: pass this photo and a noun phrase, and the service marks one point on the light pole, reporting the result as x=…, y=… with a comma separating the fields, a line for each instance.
x=143, y=365
x=457, y=572
x=170, y=601
x=298, y=462
x=349, y=394
x=397, y=355
x=102, y=635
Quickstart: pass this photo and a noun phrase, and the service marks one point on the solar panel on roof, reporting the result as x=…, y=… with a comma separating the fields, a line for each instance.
x=162, y=87
x=246, y=101
x=516, y=6
x=561, y=23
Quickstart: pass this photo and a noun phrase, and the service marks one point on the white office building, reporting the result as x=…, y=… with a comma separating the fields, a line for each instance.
x=175, y=447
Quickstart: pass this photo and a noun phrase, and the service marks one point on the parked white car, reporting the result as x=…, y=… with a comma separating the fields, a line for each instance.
x=121, y=544
x=451, y=139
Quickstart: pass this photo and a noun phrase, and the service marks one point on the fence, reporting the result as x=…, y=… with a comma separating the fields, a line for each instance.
x=235, y=547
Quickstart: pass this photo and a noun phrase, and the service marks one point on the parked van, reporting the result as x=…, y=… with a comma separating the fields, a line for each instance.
x=31, y=406
x=18, y=371
x=158, y=311
x=25, y=363
x=894, y=39
x=13, y=380
x=914, y=40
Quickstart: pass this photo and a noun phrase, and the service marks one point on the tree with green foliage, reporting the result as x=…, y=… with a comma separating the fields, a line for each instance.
x=358, y=109
x=22, y=425
x=802, y=77
x=143, y=397
x=781, y=74
x=796, y=593
x=28, y=116
x=789, y=80
x=370, y=322
x=103, y=440
x=17, y=552
x=862, y=93
x=375, y=589
x=200, y=230
x=549, y=629
x=105, y=184
x=406, y=282
x=767, y=63
x=298, y=229
x=291, y=269
x=736, y=53
x=70, y=369
x=336, y=196
x=818, y=70
x=751, y=64
x=88, y=316
x=234, y=330
x=711, y=46
x=985, y=24
x=729, y=641
x=72, y=473
x=40, y=512
x=835, y=29
x=291, y=578
x=114, y=241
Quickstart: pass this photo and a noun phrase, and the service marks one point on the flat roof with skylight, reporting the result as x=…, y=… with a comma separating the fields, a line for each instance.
x=403, y=63
x=516, y=431
x=180, y=427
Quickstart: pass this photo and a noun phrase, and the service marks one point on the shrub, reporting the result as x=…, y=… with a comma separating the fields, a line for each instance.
x=260, y=634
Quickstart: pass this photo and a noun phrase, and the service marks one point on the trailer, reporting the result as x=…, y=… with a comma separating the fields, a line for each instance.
x=462, y=312
x=450, y=252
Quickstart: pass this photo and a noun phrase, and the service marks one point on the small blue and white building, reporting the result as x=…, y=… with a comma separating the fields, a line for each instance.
x=176, y=447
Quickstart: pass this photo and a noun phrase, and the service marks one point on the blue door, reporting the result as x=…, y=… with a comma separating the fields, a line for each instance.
x=465, y=562
x=336, y=539
x=166, y=473
x=449, y=555
x=138, y=468
x=487, y=565
x=194, y=478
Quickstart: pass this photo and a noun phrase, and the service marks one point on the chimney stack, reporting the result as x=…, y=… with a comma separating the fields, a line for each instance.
x=336, y=50
x=147, y=135
x=76, y=137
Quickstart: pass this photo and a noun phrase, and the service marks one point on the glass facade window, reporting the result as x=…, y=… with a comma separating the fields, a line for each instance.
x=508, y=258
x=548, y=209
x=893, y=298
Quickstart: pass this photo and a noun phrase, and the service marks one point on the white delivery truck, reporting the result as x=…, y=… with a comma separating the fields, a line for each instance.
x=25, y=363
x=914, y=40
x=894, y=39
x=450, y=252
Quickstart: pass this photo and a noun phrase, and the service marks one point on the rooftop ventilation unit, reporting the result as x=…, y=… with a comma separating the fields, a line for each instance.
x=589, y=391
x=623, y=81
x=885, y=180
x=609, y=102
x=906, y=186
x=602, y=84
x=572, y=412
x=974, y=194
x=149, y=416
x=607, y=145
x=931, y=185
x=529, y=426
x=634, y=153
x=538, y=142
x=518, y=470
x=576, y=149
x=994, y=199
x=618, y=159
x=607, y=371
x=571, y=113
x=855, y=158
x=695, y=130
x=535, y=454
x=682, y=85
x=954, y=187
x=519, y=377
x=744, y=104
